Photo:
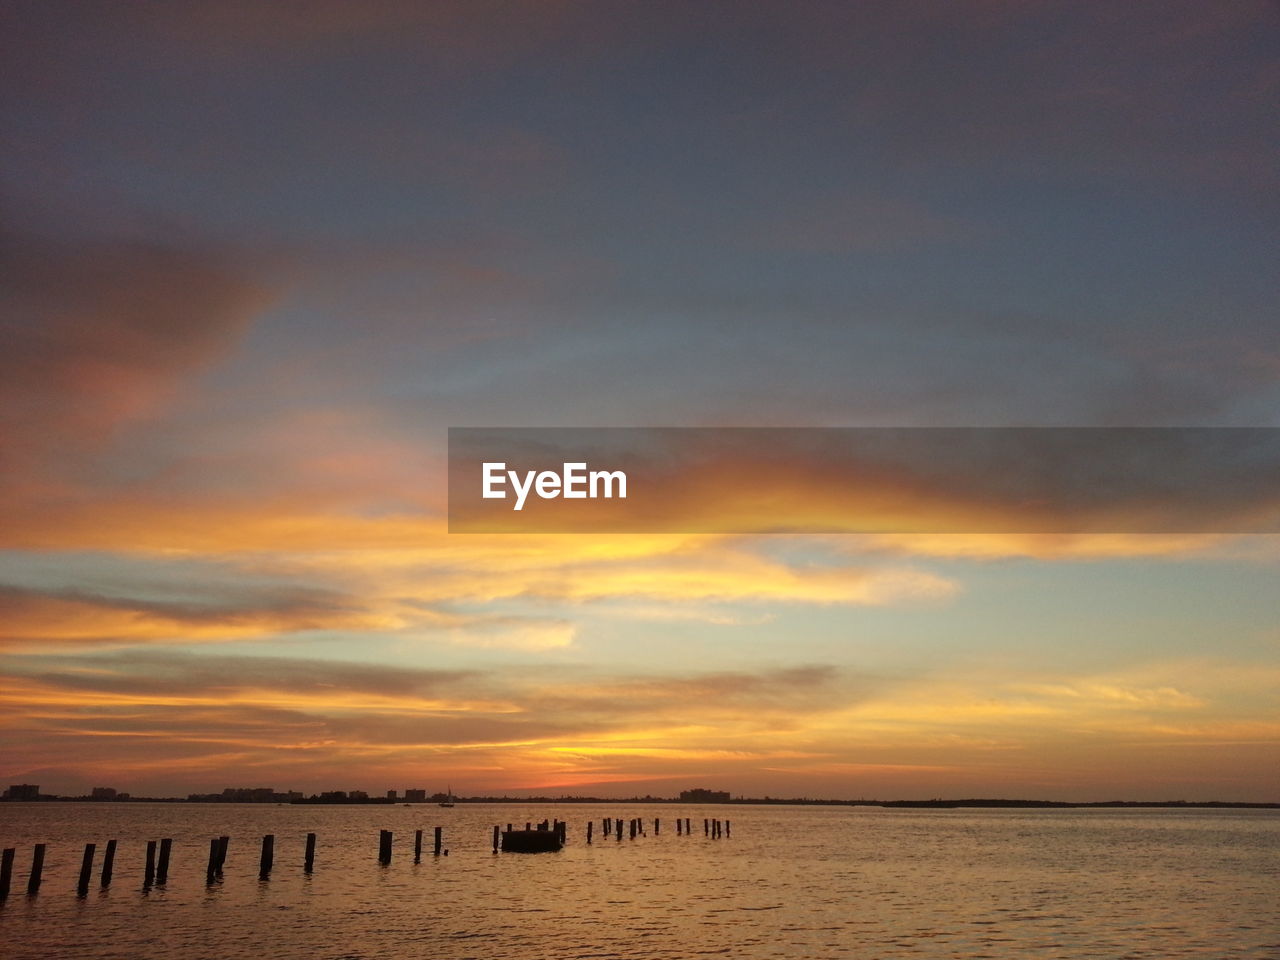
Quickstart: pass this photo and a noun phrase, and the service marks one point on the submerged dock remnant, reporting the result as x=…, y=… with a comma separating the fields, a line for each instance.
x=531, y=841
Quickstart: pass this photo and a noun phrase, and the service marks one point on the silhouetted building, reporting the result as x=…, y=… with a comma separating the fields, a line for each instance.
x=415, y=796
x=23, y=791
x=102, y=793
x=249, y=794
x=246, y=795
x=701, y=795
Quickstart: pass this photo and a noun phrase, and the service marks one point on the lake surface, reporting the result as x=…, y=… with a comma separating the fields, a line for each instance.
x=793, y=882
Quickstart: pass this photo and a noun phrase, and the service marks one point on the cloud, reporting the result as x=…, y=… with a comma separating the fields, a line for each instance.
x=33, y=617
x=102, y=333
x=213, y=712
x=202, y=720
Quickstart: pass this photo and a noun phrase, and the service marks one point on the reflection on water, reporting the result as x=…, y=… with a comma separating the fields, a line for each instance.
x=795, y=882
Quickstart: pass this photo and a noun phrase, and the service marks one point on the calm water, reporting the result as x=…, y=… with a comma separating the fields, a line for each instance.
x=791, y=882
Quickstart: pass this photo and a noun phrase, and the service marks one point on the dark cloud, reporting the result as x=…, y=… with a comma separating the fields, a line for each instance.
x=176, y=674
x=101, y=333
x=787, y=690
x=29, y=615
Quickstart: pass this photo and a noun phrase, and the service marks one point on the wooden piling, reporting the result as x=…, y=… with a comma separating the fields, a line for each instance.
x=309, y=859
x=149, y=872
x=223, y=843
x=590, y=824
x=162, y=868
x=439, y=841
x=384, y=847
x=417, y=846
x=657, y=826
x=617, y=830
x=86, y=869
x=706, y=827
x=679, y=826
x=726, y=828
x=632, y=827
x=37, y=868
x=108, y=862
x=211, y=870
x=497, y=833
x=6, y=870
x=268, y=856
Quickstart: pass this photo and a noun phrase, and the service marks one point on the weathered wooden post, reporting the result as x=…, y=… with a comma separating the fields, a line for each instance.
x=417, y=846
x=726, y=828
x=162, y=868
x=632, y=827
x=37, y=868
x=384, y=847
x=86, y=869
x=211, y=870
x=590, y=824
x=309, y=859
x=439, y=841
x=108, y=862
x=604, y=826
x=149, y=872
x=617, y=830
x=706, y=827
x=223, y=843
x=268, y=856
x=6, y=870
x=657, y=826
x=497, y=834
x=688, y=828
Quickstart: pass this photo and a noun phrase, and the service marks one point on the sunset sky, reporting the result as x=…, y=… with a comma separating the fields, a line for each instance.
x=257, y=258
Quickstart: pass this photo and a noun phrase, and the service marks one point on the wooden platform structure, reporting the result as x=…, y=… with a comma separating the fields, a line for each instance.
x=531, y=841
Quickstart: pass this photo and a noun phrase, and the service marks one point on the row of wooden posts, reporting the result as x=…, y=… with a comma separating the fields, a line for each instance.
x=156, y=868
x=635, y=827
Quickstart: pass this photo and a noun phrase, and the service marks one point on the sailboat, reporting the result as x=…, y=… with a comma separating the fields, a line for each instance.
x=449, y=799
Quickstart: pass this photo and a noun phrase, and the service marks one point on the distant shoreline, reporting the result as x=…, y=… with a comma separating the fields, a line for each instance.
x=937, y=804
